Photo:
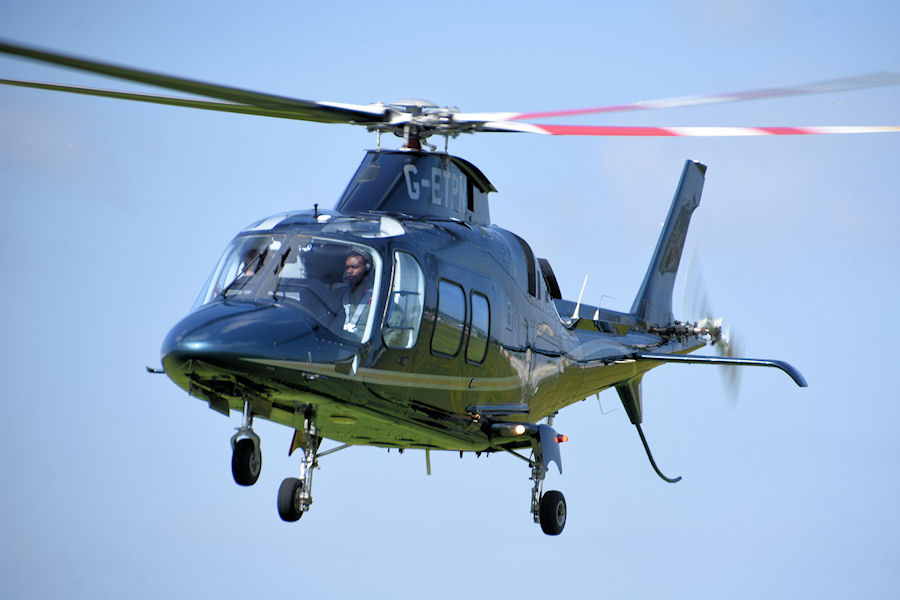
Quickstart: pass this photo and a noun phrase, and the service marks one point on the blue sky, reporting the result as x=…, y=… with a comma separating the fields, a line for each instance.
x=117, y=484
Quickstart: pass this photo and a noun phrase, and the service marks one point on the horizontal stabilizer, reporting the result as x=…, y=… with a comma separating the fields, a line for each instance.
x=721, y=360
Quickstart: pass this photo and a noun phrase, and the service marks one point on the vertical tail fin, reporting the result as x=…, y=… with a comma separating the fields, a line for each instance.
x=653, y=302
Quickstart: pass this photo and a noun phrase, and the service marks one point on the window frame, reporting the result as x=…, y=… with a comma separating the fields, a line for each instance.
x=471, y=326
x=386, y=329
x=437, y=319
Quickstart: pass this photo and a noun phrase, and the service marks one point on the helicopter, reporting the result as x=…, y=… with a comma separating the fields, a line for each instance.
x=403, y=318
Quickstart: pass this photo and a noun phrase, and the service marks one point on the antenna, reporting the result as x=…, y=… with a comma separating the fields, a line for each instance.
x=580, y=296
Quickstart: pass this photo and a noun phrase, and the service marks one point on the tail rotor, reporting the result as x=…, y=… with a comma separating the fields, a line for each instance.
x=721, y=337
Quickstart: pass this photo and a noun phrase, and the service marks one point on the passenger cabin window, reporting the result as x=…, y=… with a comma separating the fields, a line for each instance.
x=451, y=316
x=405, y=302
x=529, y=265
x=479, y=333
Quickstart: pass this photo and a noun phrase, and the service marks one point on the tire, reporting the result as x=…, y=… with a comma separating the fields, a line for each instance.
x=553, y=512
x=288, y=508
x=246, y=462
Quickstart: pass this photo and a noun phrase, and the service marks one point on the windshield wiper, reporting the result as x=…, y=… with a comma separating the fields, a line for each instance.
x=244, y=277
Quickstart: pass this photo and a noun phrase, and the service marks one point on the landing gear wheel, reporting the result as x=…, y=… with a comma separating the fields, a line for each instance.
x=246, y=462
x=553, y=512
x=289, y=500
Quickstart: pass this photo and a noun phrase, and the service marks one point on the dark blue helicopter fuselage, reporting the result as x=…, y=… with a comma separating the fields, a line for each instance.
x=489, y=342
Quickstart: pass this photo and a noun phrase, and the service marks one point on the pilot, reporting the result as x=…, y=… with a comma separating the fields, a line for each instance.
x=250, y=262
x=356, y=295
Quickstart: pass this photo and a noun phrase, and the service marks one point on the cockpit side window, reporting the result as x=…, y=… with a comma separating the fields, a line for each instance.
x=405, y=302
x=529, y=265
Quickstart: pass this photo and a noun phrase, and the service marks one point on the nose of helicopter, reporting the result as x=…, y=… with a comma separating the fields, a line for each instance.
x=235, y=339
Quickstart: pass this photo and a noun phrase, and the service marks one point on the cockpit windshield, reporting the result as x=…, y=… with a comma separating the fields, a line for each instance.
x=243, y=259
x=335, y=283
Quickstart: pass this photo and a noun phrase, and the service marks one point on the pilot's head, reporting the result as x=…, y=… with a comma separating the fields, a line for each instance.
x=355, y=267
x=249, y=262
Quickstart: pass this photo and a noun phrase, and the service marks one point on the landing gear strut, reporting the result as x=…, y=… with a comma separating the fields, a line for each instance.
x=548, y=509
x=246, y=456
x=295, y=494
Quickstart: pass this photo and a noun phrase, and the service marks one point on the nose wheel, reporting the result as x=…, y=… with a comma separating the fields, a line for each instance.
x=246, y=461
x=246, y=456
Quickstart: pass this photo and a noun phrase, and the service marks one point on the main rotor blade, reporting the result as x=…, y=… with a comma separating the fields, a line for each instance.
x=307, y=110
x=156, y=99
x=821, y=87
x=632, y=131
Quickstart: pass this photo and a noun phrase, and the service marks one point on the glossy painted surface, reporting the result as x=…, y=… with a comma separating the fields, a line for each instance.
x=486, y=344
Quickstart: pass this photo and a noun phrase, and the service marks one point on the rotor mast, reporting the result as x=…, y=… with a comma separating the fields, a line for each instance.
x=415, y=120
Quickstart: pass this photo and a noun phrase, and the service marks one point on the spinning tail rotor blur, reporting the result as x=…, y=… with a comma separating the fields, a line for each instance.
x=696, y=305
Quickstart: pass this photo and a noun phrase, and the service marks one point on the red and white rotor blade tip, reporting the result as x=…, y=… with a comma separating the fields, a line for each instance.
x=701, y=131
x=821, y=87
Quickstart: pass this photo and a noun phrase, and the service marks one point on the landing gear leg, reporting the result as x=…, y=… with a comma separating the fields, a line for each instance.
x=538, y=472
x=246, y=456
x=295, y=494
x=548, y=509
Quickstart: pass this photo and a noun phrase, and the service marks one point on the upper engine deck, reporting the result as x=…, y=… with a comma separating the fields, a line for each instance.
x=418, y=184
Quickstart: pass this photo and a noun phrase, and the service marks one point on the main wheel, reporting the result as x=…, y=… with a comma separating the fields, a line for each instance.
x=289, y=500
x=246, y=462
x=553, y=512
